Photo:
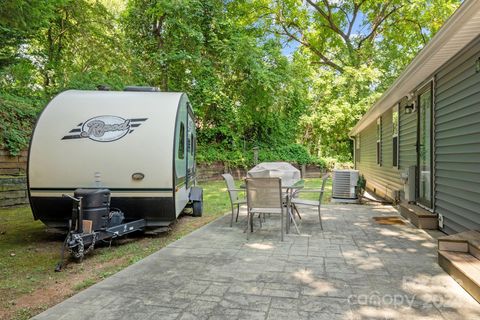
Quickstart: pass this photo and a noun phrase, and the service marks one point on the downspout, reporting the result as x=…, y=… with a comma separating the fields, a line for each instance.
x=354, y=150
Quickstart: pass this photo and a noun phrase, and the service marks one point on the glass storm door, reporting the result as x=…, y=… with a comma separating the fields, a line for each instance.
x=424, y=148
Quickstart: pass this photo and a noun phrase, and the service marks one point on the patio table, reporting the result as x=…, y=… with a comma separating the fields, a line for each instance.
x=283, y=170
x=291, y=180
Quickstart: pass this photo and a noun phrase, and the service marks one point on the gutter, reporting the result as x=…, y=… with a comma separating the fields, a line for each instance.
x=354, y=151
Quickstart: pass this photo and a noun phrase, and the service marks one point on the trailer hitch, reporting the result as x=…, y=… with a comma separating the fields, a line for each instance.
x=79, y=243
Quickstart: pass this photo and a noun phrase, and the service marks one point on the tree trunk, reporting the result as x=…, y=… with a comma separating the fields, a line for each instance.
x=161, y=46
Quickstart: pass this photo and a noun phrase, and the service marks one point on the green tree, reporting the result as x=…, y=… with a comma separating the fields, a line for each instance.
x=229, y=56
x=244, y=89
x=355, y=50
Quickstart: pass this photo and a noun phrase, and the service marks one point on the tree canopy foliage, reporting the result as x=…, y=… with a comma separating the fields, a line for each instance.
x=289, y=76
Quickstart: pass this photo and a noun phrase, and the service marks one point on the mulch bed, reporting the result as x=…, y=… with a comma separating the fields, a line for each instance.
x=389, y=220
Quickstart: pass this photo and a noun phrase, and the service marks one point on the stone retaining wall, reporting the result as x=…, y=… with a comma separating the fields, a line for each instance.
x=13, y=183
x=13, y=165
x=13, y=191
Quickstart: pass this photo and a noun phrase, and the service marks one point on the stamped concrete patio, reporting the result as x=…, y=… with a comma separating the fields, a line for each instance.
x=354, y=269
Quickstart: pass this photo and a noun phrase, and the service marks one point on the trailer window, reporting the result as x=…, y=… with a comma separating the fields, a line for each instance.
x=181, y=145
x=194, y=145
x=190, y=144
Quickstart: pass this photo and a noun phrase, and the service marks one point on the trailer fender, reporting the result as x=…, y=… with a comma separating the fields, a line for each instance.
x=196, y=200
x=196, y=194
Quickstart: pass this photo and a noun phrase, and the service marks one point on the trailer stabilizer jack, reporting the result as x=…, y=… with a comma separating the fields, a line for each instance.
x=79, y=244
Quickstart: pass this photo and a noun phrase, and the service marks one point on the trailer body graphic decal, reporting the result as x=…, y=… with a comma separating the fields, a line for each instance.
x=104, y=128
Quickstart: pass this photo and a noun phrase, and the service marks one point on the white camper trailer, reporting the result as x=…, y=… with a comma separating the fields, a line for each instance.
x=138, y=144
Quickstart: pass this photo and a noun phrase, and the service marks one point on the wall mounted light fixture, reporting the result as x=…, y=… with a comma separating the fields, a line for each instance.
x=410, y=104
x=410, y=107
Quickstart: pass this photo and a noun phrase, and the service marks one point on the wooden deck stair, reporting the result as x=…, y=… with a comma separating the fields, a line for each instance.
x=419, y=217
x=459, y=256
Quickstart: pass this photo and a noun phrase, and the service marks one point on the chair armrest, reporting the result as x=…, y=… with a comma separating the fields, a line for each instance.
x=310, y=190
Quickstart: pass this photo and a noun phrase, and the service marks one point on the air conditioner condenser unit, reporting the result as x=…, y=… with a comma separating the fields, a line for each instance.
x=344, y=185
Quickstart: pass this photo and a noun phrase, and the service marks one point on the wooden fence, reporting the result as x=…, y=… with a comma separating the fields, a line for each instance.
x=214, y=171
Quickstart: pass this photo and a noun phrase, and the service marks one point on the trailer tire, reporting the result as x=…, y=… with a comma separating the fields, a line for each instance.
x=197, y=208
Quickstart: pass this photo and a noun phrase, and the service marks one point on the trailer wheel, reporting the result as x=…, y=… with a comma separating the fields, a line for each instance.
x=197, y=208
x=196, y=199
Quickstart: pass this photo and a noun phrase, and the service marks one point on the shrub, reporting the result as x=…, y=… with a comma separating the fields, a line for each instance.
x=17, y=116
x=292, y=153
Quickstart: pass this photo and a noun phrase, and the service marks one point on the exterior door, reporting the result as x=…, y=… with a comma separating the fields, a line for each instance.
x=191, y=142
x=424, y=148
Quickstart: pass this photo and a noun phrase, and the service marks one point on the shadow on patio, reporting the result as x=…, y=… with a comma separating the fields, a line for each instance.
x=354, y=269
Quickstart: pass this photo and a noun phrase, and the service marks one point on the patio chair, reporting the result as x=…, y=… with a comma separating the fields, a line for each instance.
x=264, y=195
x=235, y=201
x=315, y=203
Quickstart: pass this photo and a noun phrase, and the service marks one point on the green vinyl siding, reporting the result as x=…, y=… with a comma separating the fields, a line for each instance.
x=457, y=142
x=408, y=138
x=384, y=178
x=387, y=127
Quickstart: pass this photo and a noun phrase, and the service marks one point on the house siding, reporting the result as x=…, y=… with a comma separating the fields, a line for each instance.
x=457, y=142
x=383, y=179
x=407, y=139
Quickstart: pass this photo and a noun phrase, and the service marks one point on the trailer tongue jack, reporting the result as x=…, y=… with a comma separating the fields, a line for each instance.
x=93, y=221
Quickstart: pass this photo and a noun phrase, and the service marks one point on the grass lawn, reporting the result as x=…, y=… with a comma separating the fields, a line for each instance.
x=29, y=253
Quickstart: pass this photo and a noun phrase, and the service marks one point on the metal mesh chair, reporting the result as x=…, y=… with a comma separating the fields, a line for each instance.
x=264, y=195
x=315, y=203
x=235, y=201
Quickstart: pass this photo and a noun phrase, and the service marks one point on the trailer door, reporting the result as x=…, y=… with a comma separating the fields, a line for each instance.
x=191, y=145
x=181, y=158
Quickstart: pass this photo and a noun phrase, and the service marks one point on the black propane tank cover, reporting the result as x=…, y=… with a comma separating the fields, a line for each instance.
x=95, y=206
x=93, y=198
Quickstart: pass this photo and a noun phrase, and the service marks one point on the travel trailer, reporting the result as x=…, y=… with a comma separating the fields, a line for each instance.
x=139, y=144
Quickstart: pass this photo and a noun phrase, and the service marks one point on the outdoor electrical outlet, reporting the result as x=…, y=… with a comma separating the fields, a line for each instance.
x=440, y=221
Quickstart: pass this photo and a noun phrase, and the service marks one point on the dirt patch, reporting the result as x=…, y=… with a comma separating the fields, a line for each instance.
x=389, y=220
x=55, y=291
x=102, y=263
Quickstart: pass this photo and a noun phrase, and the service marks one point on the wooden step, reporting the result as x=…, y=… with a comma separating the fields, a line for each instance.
x=467, y=241
x=464, y=268
x=419, y=217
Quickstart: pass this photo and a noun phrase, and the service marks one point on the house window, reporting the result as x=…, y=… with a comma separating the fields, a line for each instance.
x=357, y=148
x=395, y=125
x=379, y=141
